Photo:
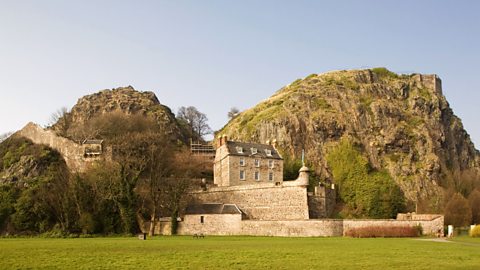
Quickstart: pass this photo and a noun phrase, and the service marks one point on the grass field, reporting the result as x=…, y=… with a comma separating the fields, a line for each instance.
x=238, y=253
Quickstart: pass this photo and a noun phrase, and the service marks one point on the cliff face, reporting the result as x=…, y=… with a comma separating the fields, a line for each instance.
x=402, y=123
x=125, y=100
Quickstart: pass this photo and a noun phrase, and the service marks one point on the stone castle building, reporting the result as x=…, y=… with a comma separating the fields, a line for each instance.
x=248, y=197
x=238, y=163
x=250, y=176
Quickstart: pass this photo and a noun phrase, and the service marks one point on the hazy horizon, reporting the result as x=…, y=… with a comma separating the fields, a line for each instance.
x=215, y=55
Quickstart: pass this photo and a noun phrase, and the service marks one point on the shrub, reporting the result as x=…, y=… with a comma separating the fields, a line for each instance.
x=380, y=231
x=475, y=232
x=384, y=73
x=474, y=200
x=457, y=211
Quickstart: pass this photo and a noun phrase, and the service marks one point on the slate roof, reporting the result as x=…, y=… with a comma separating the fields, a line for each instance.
x=212, y=208
x=247, y=149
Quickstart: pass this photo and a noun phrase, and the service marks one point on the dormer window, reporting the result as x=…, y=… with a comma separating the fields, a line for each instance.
x=268, y=152
x=254, y=151
x=239, y=150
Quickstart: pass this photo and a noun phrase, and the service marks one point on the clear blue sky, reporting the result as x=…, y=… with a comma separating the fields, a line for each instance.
x=219, y=54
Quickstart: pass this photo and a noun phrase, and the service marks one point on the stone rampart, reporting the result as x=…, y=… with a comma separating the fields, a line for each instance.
x=233, y=225
x=293, y=228
x=261, y=201
x=72, y=153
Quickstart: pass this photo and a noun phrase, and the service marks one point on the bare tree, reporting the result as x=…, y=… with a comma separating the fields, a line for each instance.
x=150, y=187
x=457, y=211
x=195, y=121
x=234, y=111
x=186, y=168
x=60, y=121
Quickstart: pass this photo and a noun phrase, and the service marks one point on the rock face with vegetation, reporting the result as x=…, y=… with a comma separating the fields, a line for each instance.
x=122, y=100
x=401, y=125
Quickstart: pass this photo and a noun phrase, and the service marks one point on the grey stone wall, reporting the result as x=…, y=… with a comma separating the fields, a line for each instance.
x=233, y=225
x=261, y=201
x=298, y=228
x=321, y=201
x=316, y=206
x=72, y=153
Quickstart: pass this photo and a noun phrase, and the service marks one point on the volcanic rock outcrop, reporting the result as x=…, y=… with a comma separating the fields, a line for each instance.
x=402, y=123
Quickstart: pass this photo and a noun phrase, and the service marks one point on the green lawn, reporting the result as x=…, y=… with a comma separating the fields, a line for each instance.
x=238, y=253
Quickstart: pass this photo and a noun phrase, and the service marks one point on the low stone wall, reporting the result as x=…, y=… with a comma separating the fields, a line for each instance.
x=233, y=225
x=293, y=228
x=261, y=201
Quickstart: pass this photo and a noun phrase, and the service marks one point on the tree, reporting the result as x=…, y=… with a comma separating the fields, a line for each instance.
x=150, y=187
x=55, y=193
x=186, y=167
x=195, y=121
x=8, y=196
x=474, y=200
x=60, y=120
x=457, y=211
x=234, y=111
x=99, y=193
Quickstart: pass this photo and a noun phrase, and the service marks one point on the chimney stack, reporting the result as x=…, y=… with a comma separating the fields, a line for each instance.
x=222, y=139
x=219, y=140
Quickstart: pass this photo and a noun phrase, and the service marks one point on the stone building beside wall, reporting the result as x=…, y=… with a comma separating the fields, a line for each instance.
x=250, y=197
x=239, y=163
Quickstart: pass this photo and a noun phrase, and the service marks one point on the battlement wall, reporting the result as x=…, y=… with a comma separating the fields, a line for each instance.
x=72, y=153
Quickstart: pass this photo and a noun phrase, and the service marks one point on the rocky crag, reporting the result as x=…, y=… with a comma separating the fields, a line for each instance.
x=125, y=100
x=402, y=123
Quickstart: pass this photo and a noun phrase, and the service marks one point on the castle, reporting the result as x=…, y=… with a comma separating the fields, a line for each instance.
x=249, y=195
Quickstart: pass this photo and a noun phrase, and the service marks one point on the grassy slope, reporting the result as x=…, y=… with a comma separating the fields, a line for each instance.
x=236, y=253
